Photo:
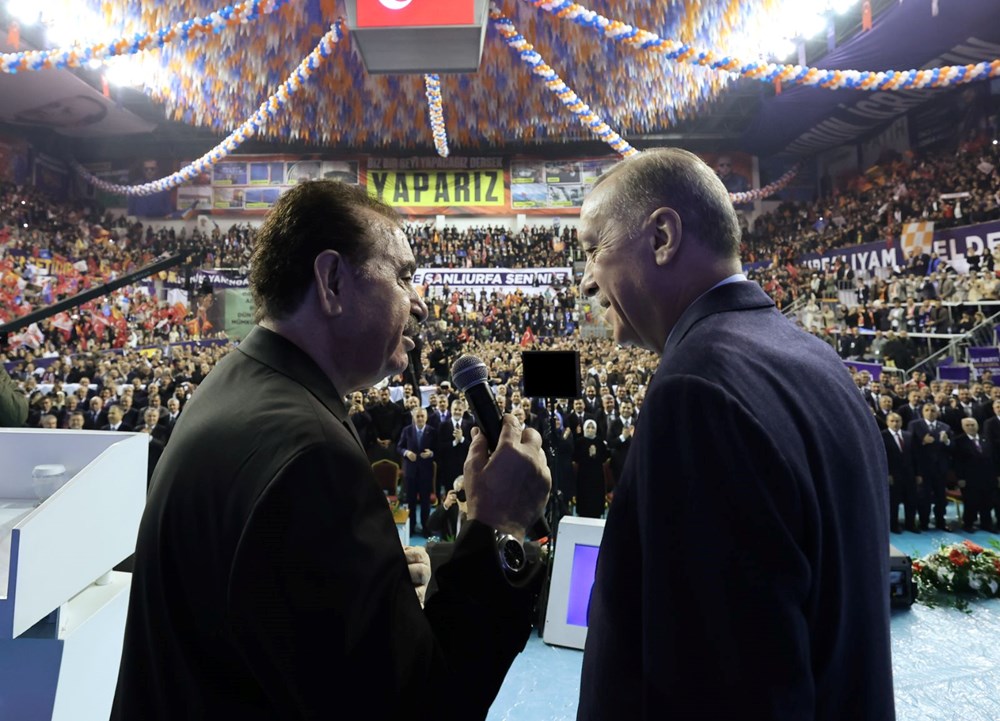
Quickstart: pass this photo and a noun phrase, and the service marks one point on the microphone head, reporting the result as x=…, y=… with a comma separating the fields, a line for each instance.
x=467, y=371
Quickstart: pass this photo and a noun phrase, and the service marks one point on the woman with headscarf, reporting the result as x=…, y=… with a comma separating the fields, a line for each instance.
x=590, y=454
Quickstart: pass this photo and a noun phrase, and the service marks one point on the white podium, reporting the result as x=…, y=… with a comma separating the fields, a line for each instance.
x=62, y=609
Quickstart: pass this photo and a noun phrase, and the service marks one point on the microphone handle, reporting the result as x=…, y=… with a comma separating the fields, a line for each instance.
x=487, y=412
x=490, y=420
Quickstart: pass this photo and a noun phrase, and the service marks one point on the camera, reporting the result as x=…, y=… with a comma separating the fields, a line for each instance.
x=460, y=495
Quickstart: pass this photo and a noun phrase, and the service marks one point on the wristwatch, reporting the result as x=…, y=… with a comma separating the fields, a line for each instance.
x=510, y=552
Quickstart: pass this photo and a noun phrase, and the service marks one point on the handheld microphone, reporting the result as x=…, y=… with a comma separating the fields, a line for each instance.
x=469, y=374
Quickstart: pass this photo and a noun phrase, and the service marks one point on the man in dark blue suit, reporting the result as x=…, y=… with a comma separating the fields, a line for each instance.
x=784, y=612
x=904, y=483
x=416, y=445
x=932, y=439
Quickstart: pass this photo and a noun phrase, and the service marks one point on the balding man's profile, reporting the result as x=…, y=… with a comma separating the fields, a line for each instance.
x=743, y=572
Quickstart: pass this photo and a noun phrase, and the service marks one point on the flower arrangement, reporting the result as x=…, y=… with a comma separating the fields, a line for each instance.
x=957, y=572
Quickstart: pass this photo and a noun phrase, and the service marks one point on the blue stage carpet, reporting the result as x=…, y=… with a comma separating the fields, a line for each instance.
x=946, y=663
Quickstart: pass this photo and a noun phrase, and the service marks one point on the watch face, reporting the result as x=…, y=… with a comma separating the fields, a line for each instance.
x=512, y=555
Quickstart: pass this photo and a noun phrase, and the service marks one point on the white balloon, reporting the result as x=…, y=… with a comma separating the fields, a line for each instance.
x=395, y=4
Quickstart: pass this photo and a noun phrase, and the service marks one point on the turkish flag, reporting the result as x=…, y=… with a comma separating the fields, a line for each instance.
x=414, y=13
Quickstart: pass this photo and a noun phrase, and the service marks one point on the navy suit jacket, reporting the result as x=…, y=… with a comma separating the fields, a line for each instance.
x=744, y=567
x=422, y=467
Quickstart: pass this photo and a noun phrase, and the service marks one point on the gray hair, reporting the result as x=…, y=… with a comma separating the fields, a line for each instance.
x=681, y=180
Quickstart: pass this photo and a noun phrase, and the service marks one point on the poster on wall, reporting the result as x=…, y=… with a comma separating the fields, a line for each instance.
x=253, y=183
x=554, y=184
x=13, y=160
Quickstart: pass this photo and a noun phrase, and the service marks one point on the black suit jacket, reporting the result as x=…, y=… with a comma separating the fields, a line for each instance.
x=978, y=467
x=269, y=578
x=902, y=463
x=933, y=459
x=787, y=617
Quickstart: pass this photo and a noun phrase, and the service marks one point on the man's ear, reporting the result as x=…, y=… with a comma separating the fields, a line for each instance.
x=329, y=272
x=667, y=232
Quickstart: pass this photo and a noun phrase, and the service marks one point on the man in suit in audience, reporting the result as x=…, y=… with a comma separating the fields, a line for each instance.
x=454, y=437
x=576, y=418
x=620, y=433
x=900, y=452
x=387, y=423
x=976, y=468
x=883, y=411
x=798, y=497
x=173, y=414
x=964, y=408
x=267, y=555
x=910, y=411
x=115, y=422
x=416, y=445
x=991, y=425
x=95, y=417
x=932, y=440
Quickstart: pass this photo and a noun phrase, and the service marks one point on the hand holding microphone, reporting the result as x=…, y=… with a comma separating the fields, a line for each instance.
x=506, y=477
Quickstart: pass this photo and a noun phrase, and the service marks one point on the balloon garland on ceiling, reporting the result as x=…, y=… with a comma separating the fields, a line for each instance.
x=627, y=35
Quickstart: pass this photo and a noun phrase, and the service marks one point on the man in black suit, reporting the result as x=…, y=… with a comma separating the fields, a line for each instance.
x=454, y=438
x=976, y=468
x=883, y=412
x=619, y=438
x=95, y=417
x=576, y=418
x=115, y=422
x=387, y=423
x=932, y=440
x=730, y=443
x=991, y=424
x=173, y=415
x=910, y=411
x=416, y=446
x=959, y=408
x=267, y=557
x=900, y=452
x=591, y=402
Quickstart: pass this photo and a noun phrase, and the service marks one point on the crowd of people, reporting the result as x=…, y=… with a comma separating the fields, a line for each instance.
x=49, y=251
x=492, y=246
x=873, y=206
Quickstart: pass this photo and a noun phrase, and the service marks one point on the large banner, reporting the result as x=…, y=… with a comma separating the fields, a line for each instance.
x=985, y=359
x=949, y=244
x=434, y=188
x=502, y=280
x=440, y=186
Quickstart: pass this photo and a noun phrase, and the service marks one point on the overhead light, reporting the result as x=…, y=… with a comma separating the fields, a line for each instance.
x=842, y=6
x=782, y=48
x=26, y=12
x=126, y=71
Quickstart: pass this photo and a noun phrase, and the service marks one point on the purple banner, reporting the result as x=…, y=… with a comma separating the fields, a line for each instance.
x=985, y=359
x=956, y=374
x=948, y=244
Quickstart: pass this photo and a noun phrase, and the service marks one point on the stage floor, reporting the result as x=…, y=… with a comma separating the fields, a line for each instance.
x=946, y=663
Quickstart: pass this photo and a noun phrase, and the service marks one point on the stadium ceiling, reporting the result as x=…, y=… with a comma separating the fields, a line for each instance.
x=65, y=111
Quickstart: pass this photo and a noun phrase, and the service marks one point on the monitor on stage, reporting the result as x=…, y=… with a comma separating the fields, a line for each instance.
x=577, y=543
